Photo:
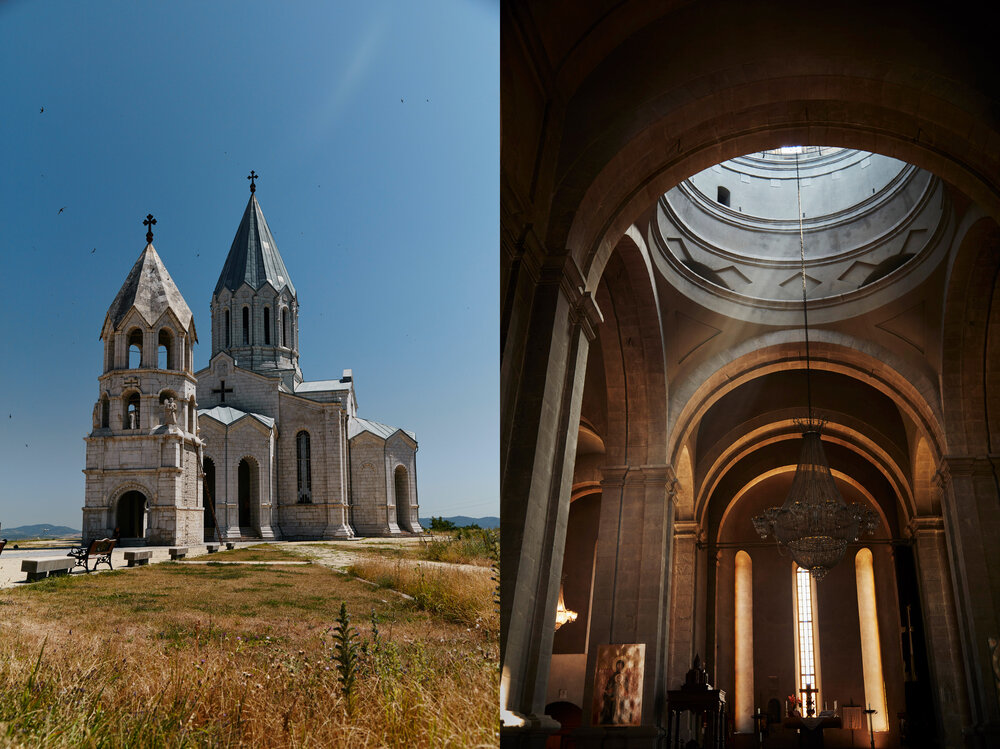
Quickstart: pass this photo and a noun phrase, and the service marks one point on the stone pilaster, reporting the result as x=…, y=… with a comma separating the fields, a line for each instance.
x=538, y=456
x=941, y=630
x=971, y=503
x=631, y=588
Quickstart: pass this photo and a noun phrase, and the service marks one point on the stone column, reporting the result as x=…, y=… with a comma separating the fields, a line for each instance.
x=972, y=521
x=631, y=590
x=540, y=396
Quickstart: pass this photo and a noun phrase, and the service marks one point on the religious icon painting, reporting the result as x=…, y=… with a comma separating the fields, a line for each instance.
x=618, y=685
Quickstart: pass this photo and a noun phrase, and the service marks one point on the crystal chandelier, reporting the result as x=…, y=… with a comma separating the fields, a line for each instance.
x=814, y=524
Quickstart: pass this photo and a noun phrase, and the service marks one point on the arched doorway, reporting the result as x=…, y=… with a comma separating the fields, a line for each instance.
x=402, y=497
x=208, y=497
x=247, y=490
x=130, y=516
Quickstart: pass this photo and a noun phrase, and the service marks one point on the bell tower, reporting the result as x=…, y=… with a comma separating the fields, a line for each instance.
x=144, y=455
x=255, y=310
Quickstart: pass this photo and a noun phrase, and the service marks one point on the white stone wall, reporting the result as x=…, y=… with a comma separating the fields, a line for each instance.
x=400, y=450
x=369, y=503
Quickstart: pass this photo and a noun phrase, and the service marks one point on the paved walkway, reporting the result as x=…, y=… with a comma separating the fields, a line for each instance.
x=339, y=557
x=10, y=559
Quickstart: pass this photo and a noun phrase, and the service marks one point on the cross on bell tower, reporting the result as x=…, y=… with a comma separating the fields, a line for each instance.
x=253, y=177
x=150, y=222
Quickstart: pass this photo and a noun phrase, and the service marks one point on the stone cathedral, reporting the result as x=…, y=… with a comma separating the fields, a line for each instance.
x=245, y=448
x=672, y=176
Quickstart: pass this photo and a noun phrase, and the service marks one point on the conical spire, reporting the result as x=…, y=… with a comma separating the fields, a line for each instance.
x=150, y=289
x=253, y=258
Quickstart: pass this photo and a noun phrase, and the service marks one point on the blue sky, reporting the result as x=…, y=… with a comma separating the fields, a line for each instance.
x=374, y=128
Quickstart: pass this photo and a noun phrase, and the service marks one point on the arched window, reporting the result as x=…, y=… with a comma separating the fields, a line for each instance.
x=228, y=328
x=130, y=412
x=806, y=638
x=304, y=470
x=165, y=350
x=284, y=328
x=744, y=696
x=267, y=326
x=105, y=411
x=723, y=196
x=246, y=326
x=871, y=651
x=192, y=416
x=135, y=349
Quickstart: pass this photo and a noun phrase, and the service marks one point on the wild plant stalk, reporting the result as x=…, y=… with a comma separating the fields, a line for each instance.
x=346, y=655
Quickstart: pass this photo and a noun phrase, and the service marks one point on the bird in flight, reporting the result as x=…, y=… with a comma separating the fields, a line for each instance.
x=93, y=251
x=41, y=109
x=61, y=210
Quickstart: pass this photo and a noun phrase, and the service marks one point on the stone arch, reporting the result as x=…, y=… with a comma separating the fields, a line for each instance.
x=971, y=334
x=631, y=341
x=401, y=496
x=166, y=355
x=129, y=507
x=131, y=409
x=248, y=490
x=133, y=349
x=913, y=391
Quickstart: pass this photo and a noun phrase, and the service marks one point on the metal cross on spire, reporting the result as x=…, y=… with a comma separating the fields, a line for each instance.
x=150, y=222
x=253, y=176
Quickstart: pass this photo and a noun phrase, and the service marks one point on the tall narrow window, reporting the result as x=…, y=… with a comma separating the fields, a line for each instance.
x=267, y=326
x=246, y=326
x=744, y=643
x=284, y=327
x=871, y=651
x=228, y=329
x=304, y=472
x=806, y=640
x=105, y=411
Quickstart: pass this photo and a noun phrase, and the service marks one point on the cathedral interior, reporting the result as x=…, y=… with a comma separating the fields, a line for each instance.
x=674, y=179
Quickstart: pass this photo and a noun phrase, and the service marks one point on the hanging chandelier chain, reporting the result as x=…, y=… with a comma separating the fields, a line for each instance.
x=805, y=307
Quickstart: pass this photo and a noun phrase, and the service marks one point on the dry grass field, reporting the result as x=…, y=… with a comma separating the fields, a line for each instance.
x=180, y=655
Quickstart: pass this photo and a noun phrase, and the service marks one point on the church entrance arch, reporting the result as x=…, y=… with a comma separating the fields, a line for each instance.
x=130, y=516
x=248, y=490
x=402, y=497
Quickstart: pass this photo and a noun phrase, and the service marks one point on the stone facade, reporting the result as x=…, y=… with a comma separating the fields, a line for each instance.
x=143, y=455
x=288, y=458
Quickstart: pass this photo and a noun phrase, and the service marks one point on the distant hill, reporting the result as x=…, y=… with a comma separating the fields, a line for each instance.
x=41, y=530
x=460, y=520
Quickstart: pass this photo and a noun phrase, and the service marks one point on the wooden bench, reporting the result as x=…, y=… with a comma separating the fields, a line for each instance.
x=138, y=557
x=40, y=567
x=212, y=548
x=99, y=550
x=178, y=552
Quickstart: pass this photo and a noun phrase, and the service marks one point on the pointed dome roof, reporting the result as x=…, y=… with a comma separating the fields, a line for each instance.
x=150, y=289
x=254, y=256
